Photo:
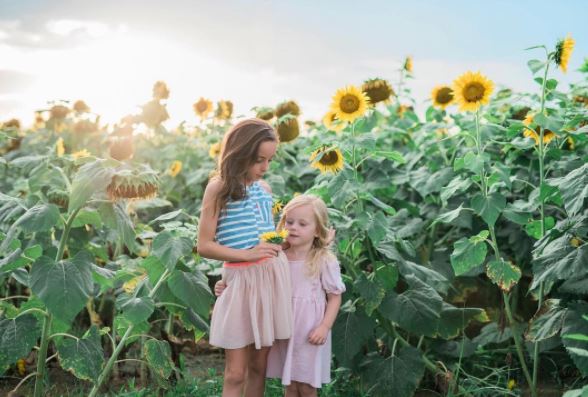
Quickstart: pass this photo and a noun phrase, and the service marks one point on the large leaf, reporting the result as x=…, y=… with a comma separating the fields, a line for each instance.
x=65, y=286
x=18, y=336
x=489, y=207
x=416, y=310
x=560, y=261
x=575, y=324
x=115, y=217
x=426, y=183
x=158, y=355
x=398, y=375
x=504, y=274
x=169, y=248
x=351, y=331
x=467, y=254
x=137, y=309
x=427, y=275
x=548, y=323
x=83, y=357
x=40, y=218
x=192, y=289
x=457, y=184
x=454, y=319
x=91, y=178
x=371, y=292
x=574, y=189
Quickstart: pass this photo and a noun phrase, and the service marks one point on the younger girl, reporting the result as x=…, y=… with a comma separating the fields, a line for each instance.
x=303, y=362
x=236, y=209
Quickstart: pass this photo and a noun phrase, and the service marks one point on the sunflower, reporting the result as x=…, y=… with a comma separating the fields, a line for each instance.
x=520, y=113
x=330, y=121
x=84, y=127
x=137, y=183
x=12, y=124
x=277, y=207
x=214, y=150
x=122, y=148
x=349, y=103
x=80, y=106
x=39, y=121
x=175, y=168
x=80, y=154
x=442, y=96
x=548, y=135
x=224, y=110
x=59, y=112
x=130, y=285
x=575, y=242
x=160, y=90
x=408, y=64
x=287, y=107
x=58, y=197
x=472, y=90
x=203, y=107
x=563, y=52
x=264, y=113
x=59, y=147
x=274, y=237
x=154, y=113
x=401, y=109
x=581, y=99
x=377, y=90
x=288, y=129
x=327, y=160
x=570, y=143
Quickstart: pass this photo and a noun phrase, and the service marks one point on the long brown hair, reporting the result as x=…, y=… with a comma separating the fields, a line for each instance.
x=320, y=252
x=238, y=152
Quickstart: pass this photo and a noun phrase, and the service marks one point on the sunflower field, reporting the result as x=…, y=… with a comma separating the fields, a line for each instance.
x=462, y=235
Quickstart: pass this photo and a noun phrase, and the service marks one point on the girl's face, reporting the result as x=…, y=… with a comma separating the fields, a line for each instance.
x=301, y=226
x=265, y=154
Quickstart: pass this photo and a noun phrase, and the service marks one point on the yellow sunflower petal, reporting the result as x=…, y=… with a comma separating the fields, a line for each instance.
x=349, y=103
x=472, y=90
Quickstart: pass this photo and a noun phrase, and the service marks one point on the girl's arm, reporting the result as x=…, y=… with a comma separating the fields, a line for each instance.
x=209, y=248
x=319, y=335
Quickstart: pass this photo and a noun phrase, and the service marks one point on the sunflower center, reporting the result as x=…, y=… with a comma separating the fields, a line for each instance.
x=329, y=158
x=201, y=107
x=473, y=92
x=349, y=103
x=445, y=95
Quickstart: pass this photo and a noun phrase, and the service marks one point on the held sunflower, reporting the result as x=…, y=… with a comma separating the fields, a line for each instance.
x=349, y=103
x=472, y=90
x=442, y=96
x=327, y=160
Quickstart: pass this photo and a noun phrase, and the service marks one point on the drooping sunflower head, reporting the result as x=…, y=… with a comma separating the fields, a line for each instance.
x=175, y=168
x=520, y=113
x=85, y=127
x=154, y=113
x=13, y=124
x=264, y=113
x=408, y=64
x=349, y=103
x=287, y=107
x=160, y=90
x=203, y=107
x=377, y=90
x=332, y=123
x=327, y=159
x=214, y=150
x=472, y=90
x=224, y=110
x=442, y=96
x=288, y=129
x=59, y=112
x=581, y=99
x=563, y=52
x=133, y=183
x=58, y=197
x=80, y=106
x=122, y=148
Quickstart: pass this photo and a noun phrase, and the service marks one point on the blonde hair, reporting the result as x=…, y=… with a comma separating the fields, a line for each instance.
x=320, y=253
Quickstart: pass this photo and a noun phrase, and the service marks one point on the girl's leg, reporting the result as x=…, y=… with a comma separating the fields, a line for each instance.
x=292, y=390
x=255, y=386
x=235, y=371
x=306, y=390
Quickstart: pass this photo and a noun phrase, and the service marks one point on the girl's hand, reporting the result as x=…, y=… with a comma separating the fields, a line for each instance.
x=319, y=335
x=331, y=236
x=263, y=251
x=219, y=287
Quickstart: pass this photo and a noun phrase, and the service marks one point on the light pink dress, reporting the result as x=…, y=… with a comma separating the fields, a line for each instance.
x=297, y=359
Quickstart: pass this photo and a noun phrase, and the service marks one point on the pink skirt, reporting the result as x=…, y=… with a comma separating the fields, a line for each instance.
x=255, y=307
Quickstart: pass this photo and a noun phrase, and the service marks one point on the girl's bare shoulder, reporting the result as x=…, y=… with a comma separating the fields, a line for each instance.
x=214, y=185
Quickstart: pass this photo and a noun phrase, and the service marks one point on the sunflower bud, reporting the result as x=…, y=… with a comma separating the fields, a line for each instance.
x=288, y=129
x=81, y=107
x=287, y=107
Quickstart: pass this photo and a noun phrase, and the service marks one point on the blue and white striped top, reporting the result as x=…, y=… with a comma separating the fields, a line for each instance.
x=241, y=222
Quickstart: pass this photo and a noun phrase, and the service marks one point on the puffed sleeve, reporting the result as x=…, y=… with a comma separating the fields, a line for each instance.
x=331, y=278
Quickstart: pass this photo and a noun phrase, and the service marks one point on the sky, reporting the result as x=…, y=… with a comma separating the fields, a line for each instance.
x=259, y=52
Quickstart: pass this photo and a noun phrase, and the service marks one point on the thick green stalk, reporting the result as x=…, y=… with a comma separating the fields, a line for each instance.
x=39, y=389
x=106, y=371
